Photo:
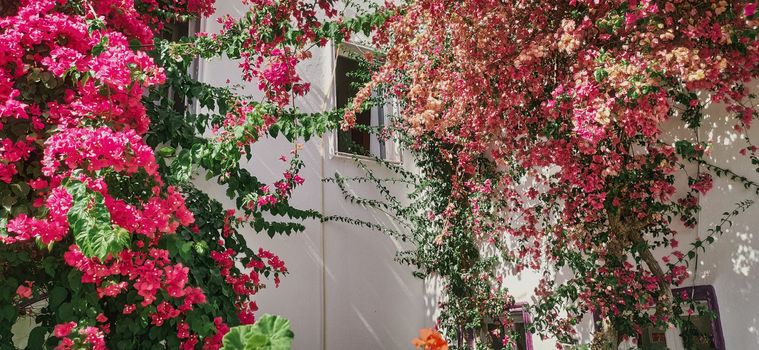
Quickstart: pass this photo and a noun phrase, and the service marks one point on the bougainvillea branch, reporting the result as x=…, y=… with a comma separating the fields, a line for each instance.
x=553, y=116
x=103, y=131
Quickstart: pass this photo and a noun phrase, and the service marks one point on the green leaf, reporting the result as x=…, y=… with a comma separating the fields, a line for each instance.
x=56, y=296
x=199, y=324
x=166, y=151
x=201, y=247
x=268, y=333
x=74, y=278
x=90, y=222
x=181, y=167
x=685, y=148
x=101, y=46
x=49, y=264
x=8, y=312
x=65, y=313
x=36, y=338
x=20, y=189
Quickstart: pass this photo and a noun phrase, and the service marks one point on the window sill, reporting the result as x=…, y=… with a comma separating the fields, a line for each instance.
x=368, y=159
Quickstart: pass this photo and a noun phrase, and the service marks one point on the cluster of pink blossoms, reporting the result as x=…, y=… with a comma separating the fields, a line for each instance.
x=271, y=58
x=72, y=88
x=571, y=100
x=111, y=98
x=93, y=337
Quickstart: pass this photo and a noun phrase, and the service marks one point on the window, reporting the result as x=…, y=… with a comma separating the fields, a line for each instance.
x=653, y=338
x=363, y=139
x=702, y=329
x=521, y=324
x=521, y=327
x=173, y=31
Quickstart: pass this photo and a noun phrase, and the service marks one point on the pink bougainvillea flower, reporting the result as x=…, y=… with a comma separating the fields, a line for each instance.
x=750, y=9
x=24, y=291
x=63, y=329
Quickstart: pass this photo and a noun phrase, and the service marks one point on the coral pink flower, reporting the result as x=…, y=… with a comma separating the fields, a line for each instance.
x=63, y=329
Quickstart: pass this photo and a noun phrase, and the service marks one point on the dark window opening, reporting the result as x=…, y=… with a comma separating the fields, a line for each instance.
x=9, y=7
x=363, y=139
x=356, y=140
x=702, y=328
x=173, y=32
x=521, y=321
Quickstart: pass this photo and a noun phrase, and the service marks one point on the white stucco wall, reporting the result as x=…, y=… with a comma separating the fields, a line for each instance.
x=730, y=265
x=344, y=291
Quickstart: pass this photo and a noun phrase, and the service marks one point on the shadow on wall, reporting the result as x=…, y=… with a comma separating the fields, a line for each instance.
x=372, y=301
x=731, y=263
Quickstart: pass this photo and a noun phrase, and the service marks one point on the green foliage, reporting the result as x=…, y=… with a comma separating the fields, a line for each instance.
x=186, y=155
x=456, y=258
x=91, y=225
x=182, y=112
x=268, y=333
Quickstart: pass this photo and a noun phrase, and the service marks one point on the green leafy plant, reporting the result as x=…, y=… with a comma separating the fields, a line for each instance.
x=91, y=223
x=105, y=239
x=268, y=333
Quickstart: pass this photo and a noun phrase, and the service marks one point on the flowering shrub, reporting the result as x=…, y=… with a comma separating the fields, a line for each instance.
x=539, y=127
x=98, y=153
x=548, y=120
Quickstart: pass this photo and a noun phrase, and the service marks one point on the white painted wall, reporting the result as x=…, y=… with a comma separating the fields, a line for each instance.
x=344, y=291
x=731, y=264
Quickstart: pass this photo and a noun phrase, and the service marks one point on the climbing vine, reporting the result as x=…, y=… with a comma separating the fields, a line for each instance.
x=105, y=241
x=542, y=134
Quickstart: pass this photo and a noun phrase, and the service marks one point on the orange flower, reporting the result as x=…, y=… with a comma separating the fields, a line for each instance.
x=430, y=340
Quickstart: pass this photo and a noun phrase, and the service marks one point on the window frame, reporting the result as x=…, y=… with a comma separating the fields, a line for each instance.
x=390, y=152
x=696, y=293
x=522, y=308
x=518, y=308
x=194, y=26
x=708, y=294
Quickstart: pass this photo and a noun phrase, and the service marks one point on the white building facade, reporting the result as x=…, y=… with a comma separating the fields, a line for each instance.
x=346, y=292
